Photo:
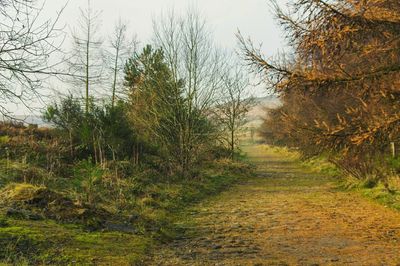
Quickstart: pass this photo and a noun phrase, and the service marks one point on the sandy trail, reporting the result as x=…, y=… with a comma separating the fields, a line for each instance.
x=286, y=216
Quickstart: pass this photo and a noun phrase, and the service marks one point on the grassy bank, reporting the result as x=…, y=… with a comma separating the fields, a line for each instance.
x=387, y=195
x=385, y=192
x=38, y=239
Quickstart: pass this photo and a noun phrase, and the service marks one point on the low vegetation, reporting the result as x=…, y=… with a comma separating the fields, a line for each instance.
x=372, y=189
x=58, y=210
x=118, y=160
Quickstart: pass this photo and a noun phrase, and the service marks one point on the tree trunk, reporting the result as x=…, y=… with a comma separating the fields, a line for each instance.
x=71, y=145
x=87, y=68
x=115, y=79
x=232, y=145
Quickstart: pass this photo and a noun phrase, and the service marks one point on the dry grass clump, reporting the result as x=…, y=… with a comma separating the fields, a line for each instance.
x=21, y=199
x=19, y=192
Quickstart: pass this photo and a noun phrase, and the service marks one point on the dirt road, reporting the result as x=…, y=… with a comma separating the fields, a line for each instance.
x=286, y=216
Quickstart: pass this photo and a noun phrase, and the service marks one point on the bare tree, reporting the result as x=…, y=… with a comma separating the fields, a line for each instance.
x=192, y=56
x=196, y=66
x=87, y=61
x=233, y=106
x=120, y=49
x=27, y=47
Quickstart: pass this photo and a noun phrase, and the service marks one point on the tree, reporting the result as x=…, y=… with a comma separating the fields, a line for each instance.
x=87, y=61
x=117, y=133
x=233, y=106
x=120, y=49
x=194, y=59
x=102, y=134
x=155, y=105
x=28, y=43
x=340, y=88
x=66, y=116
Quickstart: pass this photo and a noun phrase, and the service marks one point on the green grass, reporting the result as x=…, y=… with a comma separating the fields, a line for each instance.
x=370, y=189
x=321, y=165
x=50, y=243
x=157, y=203
x=165, y=202
x=374, y=191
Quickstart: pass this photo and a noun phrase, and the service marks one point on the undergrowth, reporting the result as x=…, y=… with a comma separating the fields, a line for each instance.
x=384, y=191
x=143, y=207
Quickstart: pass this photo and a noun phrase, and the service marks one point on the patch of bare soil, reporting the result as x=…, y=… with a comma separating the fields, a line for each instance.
x=286, y=216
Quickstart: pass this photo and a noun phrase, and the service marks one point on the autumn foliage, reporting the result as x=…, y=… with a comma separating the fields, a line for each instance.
x=340, y=88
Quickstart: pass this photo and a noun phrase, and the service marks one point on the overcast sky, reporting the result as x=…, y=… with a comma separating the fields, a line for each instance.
x=225, y=17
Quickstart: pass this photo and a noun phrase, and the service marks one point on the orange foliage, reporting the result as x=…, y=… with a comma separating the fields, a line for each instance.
x=341, y=90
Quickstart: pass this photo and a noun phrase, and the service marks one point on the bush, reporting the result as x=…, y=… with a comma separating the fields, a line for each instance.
x=394, y=164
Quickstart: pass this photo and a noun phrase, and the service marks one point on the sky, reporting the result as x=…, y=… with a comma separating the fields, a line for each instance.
x=253, y=18
x=225, y=17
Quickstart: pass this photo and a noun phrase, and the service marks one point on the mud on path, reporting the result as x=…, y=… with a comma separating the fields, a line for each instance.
x=286, y=216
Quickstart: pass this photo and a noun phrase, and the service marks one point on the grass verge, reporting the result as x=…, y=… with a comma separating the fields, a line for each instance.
x=387, y=195
x=159, y=205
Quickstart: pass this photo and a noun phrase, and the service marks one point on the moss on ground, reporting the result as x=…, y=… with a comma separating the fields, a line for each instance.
x=158, y=205
x=47, y=242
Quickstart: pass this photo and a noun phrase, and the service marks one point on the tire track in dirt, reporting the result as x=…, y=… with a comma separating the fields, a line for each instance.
x=285, y=216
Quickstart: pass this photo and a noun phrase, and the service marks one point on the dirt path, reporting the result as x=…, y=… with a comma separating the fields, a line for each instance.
x=286, y=216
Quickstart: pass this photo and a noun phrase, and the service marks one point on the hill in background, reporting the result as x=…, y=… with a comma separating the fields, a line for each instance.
x=258, y=111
